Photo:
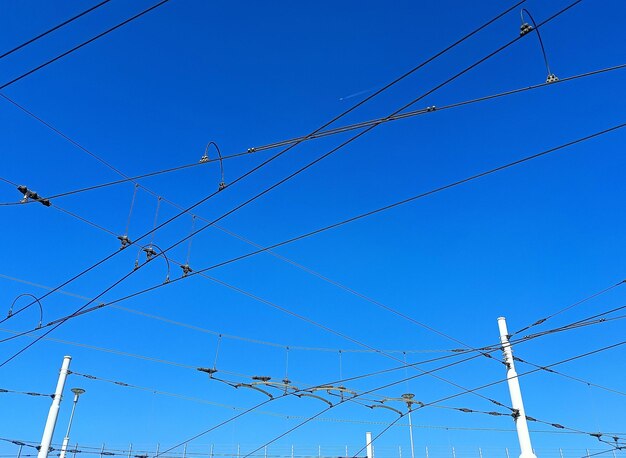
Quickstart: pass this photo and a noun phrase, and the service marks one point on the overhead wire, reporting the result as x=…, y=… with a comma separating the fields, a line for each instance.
x=571, y=377
x=287, y=178
x=531, y=418
x=81, y=45
x=555, y=425
x=569, y=307
x=56, y=27
x=188, y=209
x=267, y=401
x=384, y=208
x=326, y=133
x=26, y=393
x=231, y=336
x=197, y=272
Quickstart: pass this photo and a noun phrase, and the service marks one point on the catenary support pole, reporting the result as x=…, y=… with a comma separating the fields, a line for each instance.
x=368, y=445
x=53, y=414
x=526, y=449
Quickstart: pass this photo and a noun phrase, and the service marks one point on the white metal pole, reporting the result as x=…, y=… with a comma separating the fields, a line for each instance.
x=411, y=433
x=516, y=393
x=368, y=445
x=53, y=414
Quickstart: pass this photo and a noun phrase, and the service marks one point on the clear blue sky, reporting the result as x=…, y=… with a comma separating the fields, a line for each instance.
x=522, y=243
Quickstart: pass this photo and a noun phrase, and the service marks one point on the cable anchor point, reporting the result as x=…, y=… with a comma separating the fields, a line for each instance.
x=552, y=78
x=124, y=240
x=186, y=269
x=150, y=253
x=32, y=195
x=525, y=28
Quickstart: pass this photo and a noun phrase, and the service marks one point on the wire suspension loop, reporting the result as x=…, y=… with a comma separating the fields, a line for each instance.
x=524, y=29
x=10, y=313
x=152, y=254
x=205, y=158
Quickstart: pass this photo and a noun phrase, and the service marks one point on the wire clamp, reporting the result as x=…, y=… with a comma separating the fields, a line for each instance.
x=431, y=108
x=525, y=28
x=186, y=269
x=150, y=253
x=552, y=78
x=204, y=158
x=124, y=240
x=251, y=150
x=221, y=186
x=32, y=195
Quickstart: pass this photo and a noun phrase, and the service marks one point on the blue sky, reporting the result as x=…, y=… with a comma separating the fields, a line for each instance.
x=521, y=243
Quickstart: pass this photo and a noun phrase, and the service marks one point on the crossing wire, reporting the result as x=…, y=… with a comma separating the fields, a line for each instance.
x=569, y=307
x=571, y=377
x=555, y=425
x=325, y=133
x=201, y=271
x=310, y=164
x=420, y=407
x=231, y=336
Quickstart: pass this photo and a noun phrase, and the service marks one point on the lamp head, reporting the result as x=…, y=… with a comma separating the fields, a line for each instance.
x=78, y=391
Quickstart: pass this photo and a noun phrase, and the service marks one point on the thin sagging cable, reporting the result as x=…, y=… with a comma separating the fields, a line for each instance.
x=230, y=336
x=322, y=134
x=337, y=333
x=195, y=368
x=56, y=27
x=84, y=43
x=264, y=163
x=275, y=185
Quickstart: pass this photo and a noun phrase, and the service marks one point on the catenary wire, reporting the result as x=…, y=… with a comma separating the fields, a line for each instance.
x=324, y=133
x=26, y=393
x=556, y=425
x=369, y=213
x=426, y=405
x=267, y=401
x=84, y=43
x=267, y=161
x=241, y=177
x=56, y=27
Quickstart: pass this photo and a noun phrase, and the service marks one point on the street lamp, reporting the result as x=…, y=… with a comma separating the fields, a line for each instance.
x=77, y=392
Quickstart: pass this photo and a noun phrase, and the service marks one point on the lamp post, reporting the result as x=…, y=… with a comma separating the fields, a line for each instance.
x=77, y=392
